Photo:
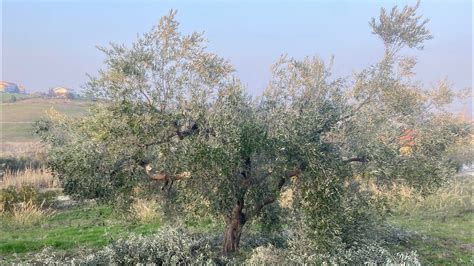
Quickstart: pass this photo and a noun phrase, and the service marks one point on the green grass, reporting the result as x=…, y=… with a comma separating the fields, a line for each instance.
x=440, y=241
x=443, y=225
x=17, y=118
x=90, y=226
x=7, y=97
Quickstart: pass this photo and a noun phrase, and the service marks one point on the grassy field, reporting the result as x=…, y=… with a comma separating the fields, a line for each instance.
x=9, y=97
x=442, y=224
x=89, y=226
x=17, y=118
x=439, y=228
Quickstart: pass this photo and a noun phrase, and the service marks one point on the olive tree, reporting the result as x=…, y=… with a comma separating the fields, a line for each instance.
x=148, y=97
x=166, y=100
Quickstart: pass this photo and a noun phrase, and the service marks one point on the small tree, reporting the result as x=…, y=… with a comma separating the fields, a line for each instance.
x=167, y=101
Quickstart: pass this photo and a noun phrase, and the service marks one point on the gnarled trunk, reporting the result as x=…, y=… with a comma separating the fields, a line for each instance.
x=233, y=230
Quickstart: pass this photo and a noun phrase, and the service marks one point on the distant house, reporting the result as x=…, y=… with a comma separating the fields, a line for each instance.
x=407, y=142
x=22, y=89
x=408, y=138
x=61, y=92
x=10, y=87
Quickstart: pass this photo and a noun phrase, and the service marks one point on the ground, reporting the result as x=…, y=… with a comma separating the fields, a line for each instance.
x=88, y=226
x=442, y=224
x=16, y=118
x=441, y=236
x=9, y=97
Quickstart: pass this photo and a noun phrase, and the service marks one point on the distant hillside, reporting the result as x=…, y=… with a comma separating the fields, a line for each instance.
x=17, y=118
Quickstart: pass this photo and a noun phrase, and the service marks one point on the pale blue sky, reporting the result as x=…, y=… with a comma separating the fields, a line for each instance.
x=52, y=43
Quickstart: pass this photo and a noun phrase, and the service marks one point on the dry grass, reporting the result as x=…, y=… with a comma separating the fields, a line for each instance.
x=39, y=178
x=145, y=211
x=28, y=213
x=30, y=149
x=456, y=195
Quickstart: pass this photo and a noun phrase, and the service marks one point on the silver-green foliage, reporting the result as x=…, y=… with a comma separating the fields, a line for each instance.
x=168, y=101
x=169, y=246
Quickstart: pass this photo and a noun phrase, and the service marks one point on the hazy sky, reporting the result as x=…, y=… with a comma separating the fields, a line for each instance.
x=52, y=43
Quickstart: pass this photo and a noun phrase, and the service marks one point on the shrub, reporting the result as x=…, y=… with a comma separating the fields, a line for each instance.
x=368, y=255
x=177, y=246
x=11, y=196
x=265, y=255
x=169, y=246
x=8, y=197
x=369, y=249
x=404, y=259
x=27, y=193
x=372, y=254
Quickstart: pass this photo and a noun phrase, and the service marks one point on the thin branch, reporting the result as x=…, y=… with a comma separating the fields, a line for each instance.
x=272, y=199
x=354, y=112
x=357, y=159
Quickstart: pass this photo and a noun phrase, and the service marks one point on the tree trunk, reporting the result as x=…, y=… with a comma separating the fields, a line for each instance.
x=234, y=224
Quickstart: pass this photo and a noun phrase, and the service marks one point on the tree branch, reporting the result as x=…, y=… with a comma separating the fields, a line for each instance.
x=272, y=199
x=188, y=132
x=362, y=159
x=357, y=109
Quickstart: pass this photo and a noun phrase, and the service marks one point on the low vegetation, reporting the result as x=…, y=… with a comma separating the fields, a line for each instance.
x=12, y=97
x=86, y=225
x=442, y=224
x=26, y=214
x=37, y=177
x=145, y=211
x=429, y=230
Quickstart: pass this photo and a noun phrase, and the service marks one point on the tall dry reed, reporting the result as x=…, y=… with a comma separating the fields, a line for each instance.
x=28, y=213
x=39, y=178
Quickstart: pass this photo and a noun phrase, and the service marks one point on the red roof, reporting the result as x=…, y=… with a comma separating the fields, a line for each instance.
x=408, y=138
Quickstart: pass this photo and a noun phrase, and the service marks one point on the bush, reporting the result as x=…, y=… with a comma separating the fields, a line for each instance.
x=370, y=255
x=8, y=197
x=11, y=196
x=169, y=246
x=177, y=246
x=265, y=255
x=370, y=248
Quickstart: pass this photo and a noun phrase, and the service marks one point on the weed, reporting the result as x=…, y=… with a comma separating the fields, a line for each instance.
x=28, y=214
x=145, y=211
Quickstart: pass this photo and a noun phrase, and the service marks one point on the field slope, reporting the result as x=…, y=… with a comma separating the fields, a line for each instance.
x=17, y=118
